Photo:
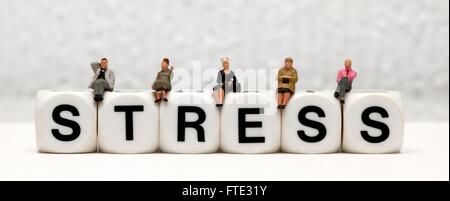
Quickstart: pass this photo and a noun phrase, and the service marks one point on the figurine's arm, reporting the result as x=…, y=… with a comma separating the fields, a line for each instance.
x=280, y=78
x=339, y=76
x=112, y=78
x=351, y=77
x=171, y=73
x=232, y=80
x=294, y=77
x=219, y=78
x=94, y=66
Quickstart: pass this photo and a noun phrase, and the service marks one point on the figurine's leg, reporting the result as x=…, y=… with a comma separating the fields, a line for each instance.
x=336, y=92
x=342, y=92
x=99, y=89
x=286, y=97
x=343, y=86
x=216, y=96
x=157, y=96
x=349, y=88
x=107, y=87
x=164, y=95
x=280, y=98
x=221, y=95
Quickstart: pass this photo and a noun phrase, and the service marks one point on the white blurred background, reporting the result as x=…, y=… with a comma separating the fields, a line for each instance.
x=394, y=44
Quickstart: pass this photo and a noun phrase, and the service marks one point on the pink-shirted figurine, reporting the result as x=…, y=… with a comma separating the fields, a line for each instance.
x=345, y=79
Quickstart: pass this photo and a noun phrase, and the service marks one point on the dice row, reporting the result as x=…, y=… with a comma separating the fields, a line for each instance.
x=128, y=121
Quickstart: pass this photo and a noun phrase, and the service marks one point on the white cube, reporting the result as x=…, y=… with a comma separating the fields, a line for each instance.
x=128, y=122
x=311, y=123
x=373, y=122
x=189, y=123
x=66, y=121
x=250, y=123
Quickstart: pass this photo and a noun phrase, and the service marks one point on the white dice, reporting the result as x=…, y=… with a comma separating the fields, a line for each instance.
x=66, y=121
x=189, y=123
x=373, y=122
x=311, y=123
x=250, y=123
x=128, y=122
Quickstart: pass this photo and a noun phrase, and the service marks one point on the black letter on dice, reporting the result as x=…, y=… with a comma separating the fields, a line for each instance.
x=375, y=124
x=242, y=112
x=76, y=130
x=129, y=109
x=182, y=124
x=313, y=124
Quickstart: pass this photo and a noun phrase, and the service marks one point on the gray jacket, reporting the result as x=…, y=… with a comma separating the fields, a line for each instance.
x=109, y=74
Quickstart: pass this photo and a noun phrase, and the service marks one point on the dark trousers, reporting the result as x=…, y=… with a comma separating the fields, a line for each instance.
x=344, y=86
x=100, y=86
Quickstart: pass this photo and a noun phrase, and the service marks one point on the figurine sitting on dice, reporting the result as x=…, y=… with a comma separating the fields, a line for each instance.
x=287, y=78
x=226, y=82
x=103, y=79
x=162, y=84
x=345, y=79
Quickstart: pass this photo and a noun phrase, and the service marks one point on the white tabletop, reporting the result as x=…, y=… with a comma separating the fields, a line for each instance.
x=425, y=156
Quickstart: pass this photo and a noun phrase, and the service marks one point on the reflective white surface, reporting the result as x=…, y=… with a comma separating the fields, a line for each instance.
x=425, y=156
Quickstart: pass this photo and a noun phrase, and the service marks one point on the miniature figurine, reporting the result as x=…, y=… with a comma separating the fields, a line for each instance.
x=162, y=84
x=103, y=79
x=345, y=79
x=287, y=78
x=226, y=82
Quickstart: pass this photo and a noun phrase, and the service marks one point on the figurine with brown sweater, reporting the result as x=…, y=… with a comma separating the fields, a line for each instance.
x=287, y=78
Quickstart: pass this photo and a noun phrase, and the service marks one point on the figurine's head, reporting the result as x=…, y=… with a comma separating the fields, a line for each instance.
x=225, y=63
x=288, y=62
x=165, y=63
x=348, y=64
x=104, y=63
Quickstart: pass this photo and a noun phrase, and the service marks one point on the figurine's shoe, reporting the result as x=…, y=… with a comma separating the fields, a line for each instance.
x=219, y=105
x=165, y=99
x=281, y=107
x=157, y=100
x=98, y=98
x=336, y=94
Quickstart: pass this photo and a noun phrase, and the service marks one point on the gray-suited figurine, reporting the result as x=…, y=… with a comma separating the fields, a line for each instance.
x=103, y=79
